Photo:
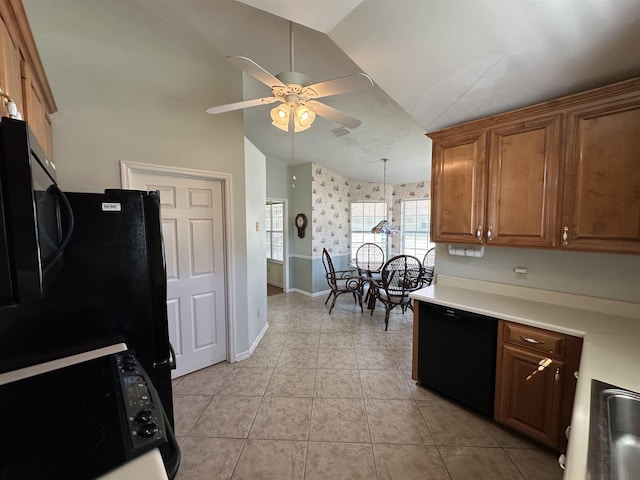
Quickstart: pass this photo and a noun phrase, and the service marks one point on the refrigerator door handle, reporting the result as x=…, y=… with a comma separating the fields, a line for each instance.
x=171, y=361
x=172, y=358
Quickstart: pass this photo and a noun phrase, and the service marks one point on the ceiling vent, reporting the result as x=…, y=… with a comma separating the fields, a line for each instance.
x=340, y=132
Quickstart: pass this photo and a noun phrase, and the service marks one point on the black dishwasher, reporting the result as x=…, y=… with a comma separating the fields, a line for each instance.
x=457, y=355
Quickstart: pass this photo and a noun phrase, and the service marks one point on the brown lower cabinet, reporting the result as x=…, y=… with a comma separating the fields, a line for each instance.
x=535, y=382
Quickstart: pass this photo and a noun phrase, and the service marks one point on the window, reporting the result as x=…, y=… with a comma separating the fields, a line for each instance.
x=365, y=216
x=416, y=215
x=274, y=229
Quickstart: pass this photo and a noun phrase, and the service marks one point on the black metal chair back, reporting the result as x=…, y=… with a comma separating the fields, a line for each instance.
x=428, y=266
x=400, y=276
x=340, y=281
x=369, y=258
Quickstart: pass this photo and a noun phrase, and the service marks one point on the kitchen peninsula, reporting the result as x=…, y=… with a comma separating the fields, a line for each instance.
x=610, y=333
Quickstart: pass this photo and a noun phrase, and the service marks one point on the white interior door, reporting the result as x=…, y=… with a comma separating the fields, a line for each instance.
x=193, y=231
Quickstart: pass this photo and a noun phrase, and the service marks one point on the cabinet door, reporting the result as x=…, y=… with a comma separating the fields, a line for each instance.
x=523, y=180
x=11, y=60
x=35, y=113
x=458, y=178
x=601, y=202
x=528, y=397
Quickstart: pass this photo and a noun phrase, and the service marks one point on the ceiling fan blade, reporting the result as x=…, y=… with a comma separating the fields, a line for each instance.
x=238, y=105
x=334, y=115
x=256, y=71
x=350, y=83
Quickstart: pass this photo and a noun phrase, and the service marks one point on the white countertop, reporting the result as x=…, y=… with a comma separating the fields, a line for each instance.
x=610, y=332
x=147, y=466
x=26, y=372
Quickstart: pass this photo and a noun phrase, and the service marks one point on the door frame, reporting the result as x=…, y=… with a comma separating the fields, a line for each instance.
x=285, y=240
x=127, y=169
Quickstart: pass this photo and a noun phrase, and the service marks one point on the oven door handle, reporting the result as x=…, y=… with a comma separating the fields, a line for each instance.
x=65, y=208
x=66, y=211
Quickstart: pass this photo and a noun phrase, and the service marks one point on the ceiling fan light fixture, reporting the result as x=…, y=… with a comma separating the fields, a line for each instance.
x=303, y=117
x=280, y=117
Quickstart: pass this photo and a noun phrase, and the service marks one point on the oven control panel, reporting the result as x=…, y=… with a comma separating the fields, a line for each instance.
x=143, y=411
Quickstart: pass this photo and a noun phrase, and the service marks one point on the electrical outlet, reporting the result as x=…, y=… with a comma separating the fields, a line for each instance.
x=521, y=273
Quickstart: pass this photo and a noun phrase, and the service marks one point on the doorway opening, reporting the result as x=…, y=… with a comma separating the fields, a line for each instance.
x=277, y=252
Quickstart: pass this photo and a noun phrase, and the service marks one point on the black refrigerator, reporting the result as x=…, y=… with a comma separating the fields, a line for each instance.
x=78, y=272
x=111, y=288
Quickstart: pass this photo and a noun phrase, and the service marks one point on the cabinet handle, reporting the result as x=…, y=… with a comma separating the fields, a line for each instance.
x=489, y=234
x=562, y=460
x=565, y=235
x=556, y=377
x=479, y=232
x=531, y=340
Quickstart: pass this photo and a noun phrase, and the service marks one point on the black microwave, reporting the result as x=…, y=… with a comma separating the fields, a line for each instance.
x=36, y=219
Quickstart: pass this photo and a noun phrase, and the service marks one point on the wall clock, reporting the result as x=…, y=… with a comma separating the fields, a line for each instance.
x=301, y=224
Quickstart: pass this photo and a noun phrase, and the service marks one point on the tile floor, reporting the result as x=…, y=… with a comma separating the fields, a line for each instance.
x=331, y=397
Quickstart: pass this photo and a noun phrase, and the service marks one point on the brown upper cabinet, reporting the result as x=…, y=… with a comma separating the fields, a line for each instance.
x=10, y=77
x=524, y=157
x=22, y=77
x=601, y=206
x=458, y=180
x=564, y=173
x=497, y=185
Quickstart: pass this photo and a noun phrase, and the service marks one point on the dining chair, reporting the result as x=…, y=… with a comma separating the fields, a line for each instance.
x=340, y=281
x=369, y=261
x=428, y=266
x=400, y=276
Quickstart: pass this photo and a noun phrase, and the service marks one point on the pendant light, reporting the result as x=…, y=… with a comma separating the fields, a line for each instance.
x=384, y=226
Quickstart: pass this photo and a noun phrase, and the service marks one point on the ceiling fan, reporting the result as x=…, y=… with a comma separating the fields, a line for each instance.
x=297, y=97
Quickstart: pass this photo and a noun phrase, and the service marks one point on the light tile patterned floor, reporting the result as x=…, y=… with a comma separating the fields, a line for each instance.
x=330, y=397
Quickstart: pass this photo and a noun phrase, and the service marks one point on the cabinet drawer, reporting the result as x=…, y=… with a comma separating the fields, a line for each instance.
x=534, y=339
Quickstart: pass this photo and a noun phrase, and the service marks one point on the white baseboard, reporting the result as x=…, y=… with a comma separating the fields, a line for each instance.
x=241, y=356
x=260, y=335
x=247, y=353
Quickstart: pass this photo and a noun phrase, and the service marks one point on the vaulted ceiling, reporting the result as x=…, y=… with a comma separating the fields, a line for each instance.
x=434, y=63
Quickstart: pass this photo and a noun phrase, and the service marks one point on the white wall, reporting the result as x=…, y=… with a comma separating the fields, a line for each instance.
x=256, y=263
x=604, y=275
x=278, y=179
x=145, y=104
